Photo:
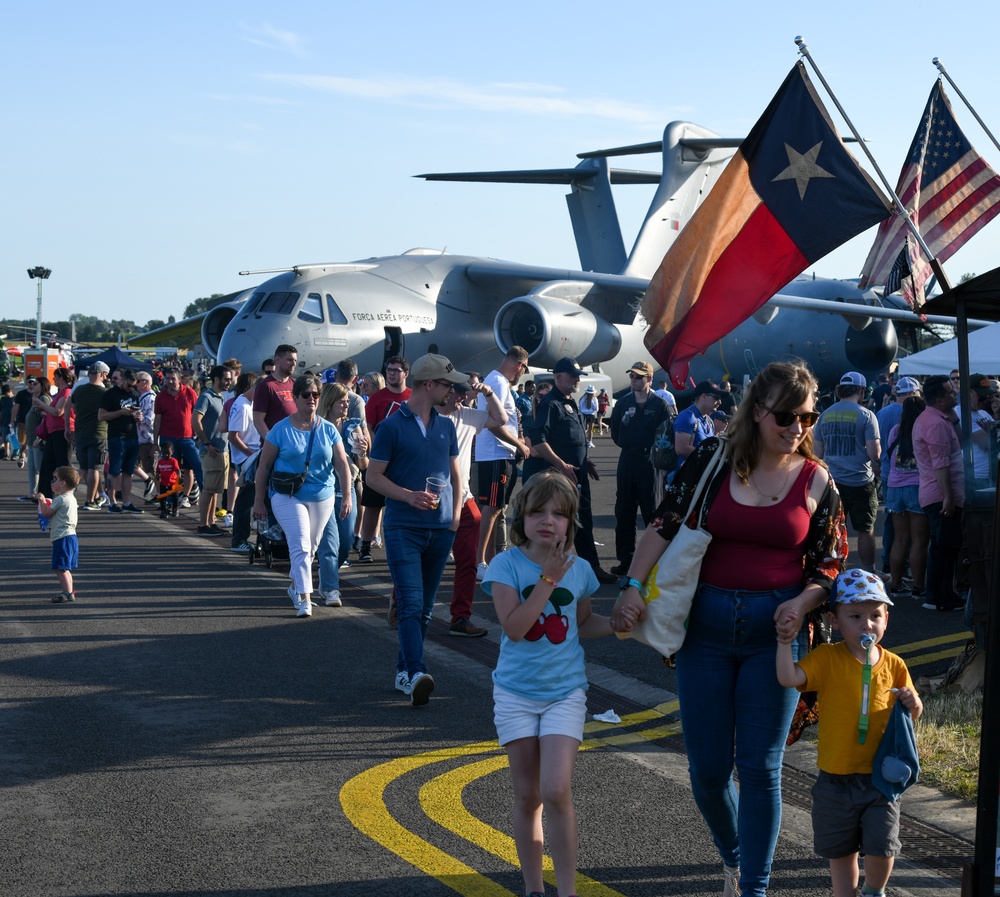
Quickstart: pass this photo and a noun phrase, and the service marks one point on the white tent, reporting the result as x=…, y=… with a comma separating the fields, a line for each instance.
x=984, y=355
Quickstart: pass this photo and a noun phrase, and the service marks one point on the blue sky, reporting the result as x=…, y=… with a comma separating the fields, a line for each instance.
x=153, y=152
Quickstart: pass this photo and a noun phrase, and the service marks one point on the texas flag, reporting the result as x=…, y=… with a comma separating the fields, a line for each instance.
x=791, y=194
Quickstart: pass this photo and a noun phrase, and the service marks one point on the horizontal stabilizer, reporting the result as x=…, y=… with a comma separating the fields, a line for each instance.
x=542, y=176
x=696, y=143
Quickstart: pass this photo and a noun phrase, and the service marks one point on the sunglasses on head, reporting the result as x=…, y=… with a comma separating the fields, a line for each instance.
x=787, y=418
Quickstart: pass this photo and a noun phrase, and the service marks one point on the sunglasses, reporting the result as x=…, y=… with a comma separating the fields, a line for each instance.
x=308, y=395
x=787, y=418
x=633, y=376
x=447, y=383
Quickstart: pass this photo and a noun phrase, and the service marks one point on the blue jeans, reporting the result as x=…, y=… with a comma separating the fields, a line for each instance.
x=416, y=561
x=734, y=712
x=186, y=449
x=335, y=546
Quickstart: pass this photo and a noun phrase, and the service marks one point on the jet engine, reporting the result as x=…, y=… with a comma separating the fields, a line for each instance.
x=550, y=329
x=214, y=325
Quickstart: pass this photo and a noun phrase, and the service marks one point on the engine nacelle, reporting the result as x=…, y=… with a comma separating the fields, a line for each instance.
x=550, y=329
x=214, y=324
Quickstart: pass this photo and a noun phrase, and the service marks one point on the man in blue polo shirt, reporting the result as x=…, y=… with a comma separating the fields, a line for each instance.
x=410, y=446
x=694, y=424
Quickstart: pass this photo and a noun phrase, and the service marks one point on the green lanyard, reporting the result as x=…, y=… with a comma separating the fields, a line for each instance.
x=866, y=686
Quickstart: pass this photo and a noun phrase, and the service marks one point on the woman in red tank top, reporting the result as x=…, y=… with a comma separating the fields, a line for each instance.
x=779, y=541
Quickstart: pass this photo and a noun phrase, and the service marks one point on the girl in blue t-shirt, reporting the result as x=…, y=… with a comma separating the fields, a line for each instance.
x=542, y=600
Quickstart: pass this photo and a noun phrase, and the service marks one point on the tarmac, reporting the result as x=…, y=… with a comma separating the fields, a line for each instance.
x=178, y=731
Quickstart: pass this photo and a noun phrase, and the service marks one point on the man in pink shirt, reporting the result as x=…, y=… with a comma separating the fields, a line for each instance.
x=938, y=453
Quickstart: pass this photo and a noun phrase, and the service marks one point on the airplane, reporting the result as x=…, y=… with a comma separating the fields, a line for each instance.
x=468, y=307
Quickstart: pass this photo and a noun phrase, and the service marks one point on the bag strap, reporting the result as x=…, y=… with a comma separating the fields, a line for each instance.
x=713, y=467
x=309, y=448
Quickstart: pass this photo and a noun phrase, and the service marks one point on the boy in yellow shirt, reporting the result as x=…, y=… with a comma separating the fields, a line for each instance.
x=857, y=682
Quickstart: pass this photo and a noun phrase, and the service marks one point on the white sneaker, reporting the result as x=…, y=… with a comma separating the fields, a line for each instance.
x=590, y=445
x=377, y=542
x=421, y=686
x=481, y=571
x=185, y=502
x=305, y=609
x=332, y=598
x=402, y=682
x=227, y=521
x=294, y=596
x=731, y=881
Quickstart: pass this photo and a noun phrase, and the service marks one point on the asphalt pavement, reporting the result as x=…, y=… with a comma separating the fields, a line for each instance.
x=178, y=731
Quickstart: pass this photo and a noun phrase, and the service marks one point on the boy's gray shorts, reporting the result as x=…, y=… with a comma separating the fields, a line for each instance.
x=850, y=814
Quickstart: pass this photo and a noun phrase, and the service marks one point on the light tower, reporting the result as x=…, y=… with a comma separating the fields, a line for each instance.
x=39, y=273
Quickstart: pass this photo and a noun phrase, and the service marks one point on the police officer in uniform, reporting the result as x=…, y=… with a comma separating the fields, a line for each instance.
x=559, y=440
x=633, y=428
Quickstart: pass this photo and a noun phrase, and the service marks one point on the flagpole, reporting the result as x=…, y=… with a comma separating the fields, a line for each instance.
x=897, y=203
x=940, y=67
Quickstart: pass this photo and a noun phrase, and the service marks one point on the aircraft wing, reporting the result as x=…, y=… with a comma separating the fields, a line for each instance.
x=612, y=296
x=186, y=332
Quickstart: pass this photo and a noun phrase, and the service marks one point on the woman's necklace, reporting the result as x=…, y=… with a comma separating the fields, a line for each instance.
x=777, y=494
x=301, y=424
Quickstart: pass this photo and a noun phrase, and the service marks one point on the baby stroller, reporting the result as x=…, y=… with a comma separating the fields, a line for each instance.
x=270, y=542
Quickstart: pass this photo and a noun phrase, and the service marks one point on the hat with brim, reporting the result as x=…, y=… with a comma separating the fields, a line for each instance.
x=855, y=586
x=707, y=388
x=568, y=365
x=642, y=368
x=436, y=367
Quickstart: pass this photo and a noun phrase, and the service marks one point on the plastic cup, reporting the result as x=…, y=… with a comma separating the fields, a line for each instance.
x=435, y=487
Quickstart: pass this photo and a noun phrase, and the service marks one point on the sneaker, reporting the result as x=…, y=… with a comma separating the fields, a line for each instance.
x=293, y=595
x=345, y=566
x=929, y=605
x=393, y=615
x=64, y=597
x=209, y=531
x=918, y=594
x=464, y=626
x=30, y=498
x=357, y=544
x=481, y=571
x=332, y=598
x=365, y=555
x=899, y=592
x=402, y=682
x=151, y=491
x=185, y=502
x=620, y=569
x=226, y=521
x=173, y=512
x=603, y=576
x=731, y=881
x=451, y=559
x=377, y=542
x=92, y=506
x=217, y=531
x=305, y=609
x=164, y=514
x=421, y=686
x=242, y=548
x=20, y=463
x=114, y=509
x=132, y=509
x=102, y=500
x=590, y=445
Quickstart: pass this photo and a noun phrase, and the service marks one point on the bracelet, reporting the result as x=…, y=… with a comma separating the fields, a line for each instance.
x=544, y=578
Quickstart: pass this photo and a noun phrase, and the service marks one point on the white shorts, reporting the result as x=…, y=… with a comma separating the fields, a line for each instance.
x=516, y=717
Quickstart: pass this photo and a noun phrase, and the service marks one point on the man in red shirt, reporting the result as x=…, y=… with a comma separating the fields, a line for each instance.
x=385, y=402
x=172, y=423
x=272, y=399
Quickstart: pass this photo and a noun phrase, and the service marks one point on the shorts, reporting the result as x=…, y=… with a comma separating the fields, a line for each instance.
x=496, y=483
x=91, y=453
x=122, y=455
x=215, y=472
x=903, y=499
x=65, y=553
x=850, y=814
x=369, y=497
x=516, y=717
x=860, y=505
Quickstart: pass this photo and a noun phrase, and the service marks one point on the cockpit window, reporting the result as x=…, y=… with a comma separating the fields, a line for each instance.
x=251, y=304
x=334, y=313
x=312, y=309
x=279, y=304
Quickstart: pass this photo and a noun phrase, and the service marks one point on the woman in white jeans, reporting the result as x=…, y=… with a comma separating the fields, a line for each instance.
x=303, y=442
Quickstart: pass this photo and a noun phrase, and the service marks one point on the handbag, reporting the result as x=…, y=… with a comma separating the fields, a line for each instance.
x=669, y=589
x=290, y=483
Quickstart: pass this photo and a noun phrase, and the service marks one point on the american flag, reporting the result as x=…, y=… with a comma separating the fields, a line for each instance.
x=900, y=269
x=950, y=193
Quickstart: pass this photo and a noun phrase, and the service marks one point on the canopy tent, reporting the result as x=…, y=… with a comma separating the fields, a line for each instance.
x=113, y=358
x=984, y=355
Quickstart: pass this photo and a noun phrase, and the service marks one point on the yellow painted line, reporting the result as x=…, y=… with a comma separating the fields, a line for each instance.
x=362, y=799
x=920, y=659
x=962, y=637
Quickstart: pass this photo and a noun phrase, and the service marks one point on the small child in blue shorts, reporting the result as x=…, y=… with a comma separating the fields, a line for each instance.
x=850, y=814
x=62, y=515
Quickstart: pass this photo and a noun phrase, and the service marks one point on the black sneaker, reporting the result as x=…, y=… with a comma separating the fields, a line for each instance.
x=208, y=531
x=365, y=553
x=603, y=576
x=620, y=569
x=114, y=509
x=132, y=509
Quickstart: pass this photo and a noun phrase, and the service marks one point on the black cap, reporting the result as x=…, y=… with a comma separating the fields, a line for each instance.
x=707, y=387
x=568, y=365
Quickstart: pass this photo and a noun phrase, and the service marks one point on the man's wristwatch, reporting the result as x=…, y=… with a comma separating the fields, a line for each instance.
x=627, y=581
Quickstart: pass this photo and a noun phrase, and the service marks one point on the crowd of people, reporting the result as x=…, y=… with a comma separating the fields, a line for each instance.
x=332, y=459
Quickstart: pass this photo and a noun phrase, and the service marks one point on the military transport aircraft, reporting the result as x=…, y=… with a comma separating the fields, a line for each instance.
x=467, y=308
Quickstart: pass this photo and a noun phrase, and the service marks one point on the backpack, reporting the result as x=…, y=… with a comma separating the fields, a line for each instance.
x=663, y=455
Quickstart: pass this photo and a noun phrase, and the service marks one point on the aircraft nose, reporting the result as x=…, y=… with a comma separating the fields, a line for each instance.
x=873, y=348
